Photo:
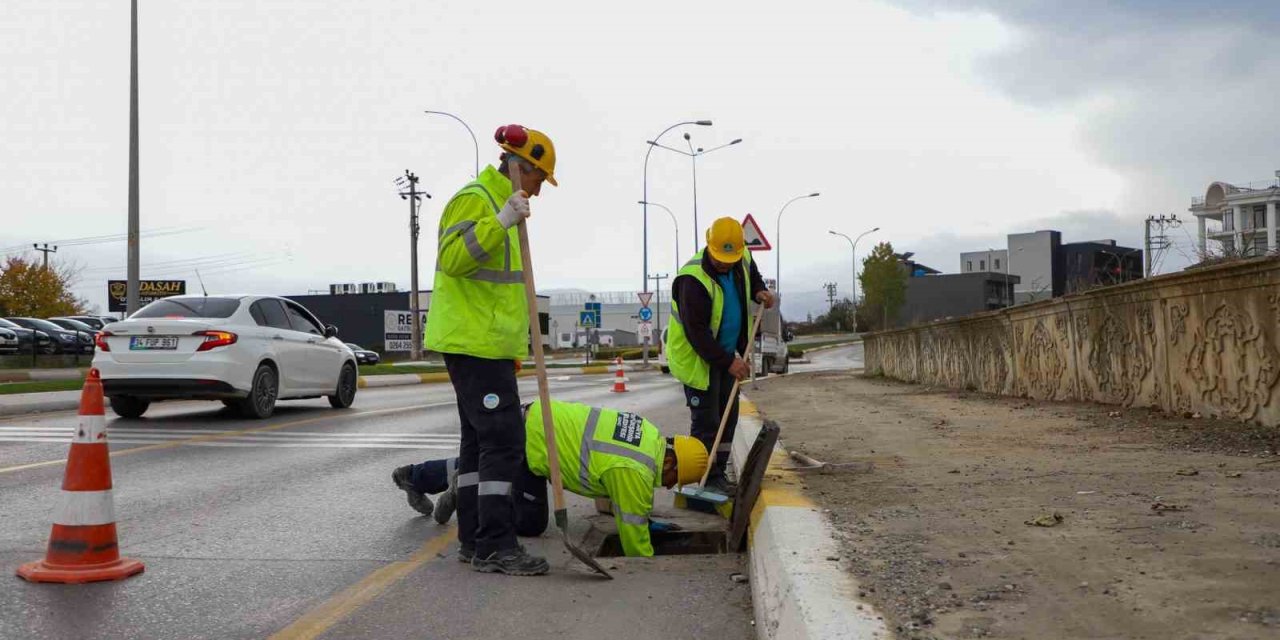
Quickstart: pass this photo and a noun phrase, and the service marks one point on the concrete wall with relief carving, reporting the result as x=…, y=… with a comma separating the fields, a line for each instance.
x=1205, y=341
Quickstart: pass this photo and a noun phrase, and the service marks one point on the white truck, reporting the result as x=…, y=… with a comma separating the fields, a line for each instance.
x=770, y=354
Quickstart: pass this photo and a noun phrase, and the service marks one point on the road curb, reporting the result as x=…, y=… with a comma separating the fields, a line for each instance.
x=42, y=375
x=797, y=589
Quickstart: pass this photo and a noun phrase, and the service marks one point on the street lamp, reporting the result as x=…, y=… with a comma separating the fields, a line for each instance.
x=777, y=239
x=473, y=136
x=693, y=154
x=643, y=201
x=674, y=222
x=853, y=248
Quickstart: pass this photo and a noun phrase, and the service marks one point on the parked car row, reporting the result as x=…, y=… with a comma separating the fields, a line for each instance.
x=62, y=335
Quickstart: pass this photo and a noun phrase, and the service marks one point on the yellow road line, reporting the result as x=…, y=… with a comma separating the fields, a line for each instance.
x=332, y=611
x=231, y=433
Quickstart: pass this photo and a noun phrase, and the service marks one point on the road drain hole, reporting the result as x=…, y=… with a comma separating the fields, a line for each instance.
x=670, y=543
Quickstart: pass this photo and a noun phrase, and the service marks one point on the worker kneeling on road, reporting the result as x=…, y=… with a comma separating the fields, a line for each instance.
x=603, y=454
x=710, y=299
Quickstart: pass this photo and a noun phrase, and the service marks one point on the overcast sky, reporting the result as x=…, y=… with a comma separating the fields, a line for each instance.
x=272, y=131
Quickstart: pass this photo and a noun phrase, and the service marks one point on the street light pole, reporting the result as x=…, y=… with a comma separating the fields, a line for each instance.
x=677, y=227
x=854, y=262
x=132, y=301
x=693, y=154
x=777, y=240
x=644, y=200
x=473, y=136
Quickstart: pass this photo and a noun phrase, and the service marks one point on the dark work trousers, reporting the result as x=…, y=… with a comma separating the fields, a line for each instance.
x=706, y=407
x=530, y=492
x=491, y=454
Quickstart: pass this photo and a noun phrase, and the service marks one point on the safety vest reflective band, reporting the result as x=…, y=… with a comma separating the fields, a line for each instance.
x=477, y=301
x=685, y=363
x=592, y=441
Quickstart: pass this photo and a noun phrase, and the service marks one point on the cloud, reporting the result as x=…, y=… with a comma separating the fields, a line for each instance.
x=1172, y=94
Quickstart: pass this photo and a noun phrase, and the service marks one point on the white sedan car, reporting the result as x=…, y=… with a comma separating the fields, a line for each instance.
x=247, y=351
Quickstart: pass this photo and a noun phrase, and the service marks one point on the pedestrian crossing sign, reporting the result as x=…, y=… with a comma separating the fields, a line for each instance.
x=587, y=319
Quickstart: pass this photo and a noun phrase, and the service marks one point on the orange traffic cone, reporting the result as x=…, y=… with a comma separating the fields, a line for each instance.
x=82, y=545
x=620, y=380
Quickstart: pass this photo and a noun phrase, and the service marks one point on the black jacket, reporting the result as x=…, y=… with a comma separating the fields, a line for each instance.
x=695, y=312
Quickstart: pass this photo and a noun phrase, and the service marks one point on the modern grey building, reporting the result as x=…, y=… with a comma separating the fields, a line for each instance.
x=1047, y=267
x=953, y=295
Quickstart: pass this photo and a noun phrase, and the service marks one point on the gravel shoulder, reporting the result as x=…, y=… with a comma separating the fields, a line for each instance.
x=1170, y=527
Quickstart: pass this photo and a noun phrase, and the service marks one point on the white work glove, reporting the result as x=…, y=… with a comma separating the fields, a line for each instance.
x=515, y=211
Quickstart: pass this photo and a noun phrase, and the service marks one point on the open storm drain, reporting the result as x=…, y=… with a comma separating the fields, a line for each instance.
x=670, y=543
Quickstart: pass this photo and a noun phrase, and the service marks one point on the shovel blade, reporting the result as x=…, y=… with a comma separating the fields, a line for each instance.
x=562, y=521
x=695, y=492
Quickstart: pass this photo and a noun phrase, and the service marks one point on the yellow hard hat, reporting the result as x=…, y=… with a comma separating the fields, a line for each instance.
x=530, y=144
x=691, y=459
x=725, y=241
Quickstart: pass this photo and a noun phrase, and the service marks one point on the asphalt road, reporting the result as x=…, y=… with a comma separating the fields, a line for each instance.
x=291, y=526
x=839, y=358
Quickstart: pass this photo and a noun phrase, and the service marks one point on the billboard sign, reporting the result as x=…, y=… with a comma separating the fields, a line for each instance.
x=148, y=291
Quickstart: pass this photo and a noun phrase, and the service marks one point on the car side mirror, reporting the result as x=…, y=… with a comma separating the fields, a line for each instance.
x=330, y=331
x=788, y=337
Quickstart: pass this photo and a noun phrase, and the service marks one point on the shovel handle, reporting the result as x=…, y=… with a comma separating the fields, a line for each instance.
x=539, y=362
x=724, y=417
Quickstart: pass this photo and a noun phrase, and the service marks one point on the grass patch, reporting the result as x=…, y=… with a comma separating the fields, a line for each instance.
x=40, y=386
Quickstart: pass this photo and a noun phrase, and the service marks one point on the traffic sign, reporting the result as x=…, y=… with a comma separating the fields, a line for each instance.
x=645, y=297
x=645, y=329
x=587, y=319
x=646, y=314
x=752, y=236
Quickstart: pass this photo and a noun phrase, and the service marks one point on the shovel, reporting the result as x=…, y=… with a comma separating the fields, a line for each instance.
x=544, y=392
x=700, y=491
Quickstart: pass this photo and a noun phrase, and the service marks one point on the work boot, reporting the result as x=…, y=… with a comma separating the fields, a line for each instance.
x=513, y=562
x=466, y=555
x=447, y=502
x=403, y=479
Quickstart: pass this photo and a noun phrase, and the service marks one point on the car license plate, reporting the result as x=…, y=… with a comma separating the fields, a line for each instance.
x=153, y=343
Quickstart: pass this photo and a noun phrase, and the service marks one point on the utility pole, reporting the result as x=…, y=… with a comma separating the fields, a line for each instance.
x=132, y=298
x=831, y=293
x=410, y=181
x=1154, y=244
x=46, y=251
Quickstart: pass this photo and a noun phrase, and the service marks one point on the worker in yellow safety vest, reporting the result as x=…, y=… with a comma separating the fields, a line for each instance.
x=479, y=321
x=604, y=453
x=710, y=299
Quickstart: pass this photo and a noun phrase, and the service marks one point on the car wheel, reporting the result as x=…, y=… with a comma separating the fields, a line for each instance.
x=345, y=394
x=766, y=367
x=261, y=402
x=786, y=364
x=129, y=406
x=666, y=369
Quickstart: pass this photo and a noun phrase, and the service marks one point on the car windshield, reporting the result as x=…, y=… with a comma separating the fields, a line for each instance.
x=74, y=325
x=201, y=307
x=43, y=325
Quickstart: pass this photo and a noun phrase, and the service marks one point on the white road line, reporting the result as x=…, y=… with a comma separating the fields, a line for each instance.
x=169, y=433
x=245, y=442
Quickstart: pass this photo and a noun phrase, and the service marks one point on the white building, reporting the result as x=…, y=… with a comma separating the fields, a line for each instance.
x=1242, y=218
x=989, y=261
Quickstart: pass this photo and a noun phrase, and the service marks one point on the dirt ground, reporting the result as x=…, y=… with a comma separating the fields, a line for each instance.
x=1170, y=527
